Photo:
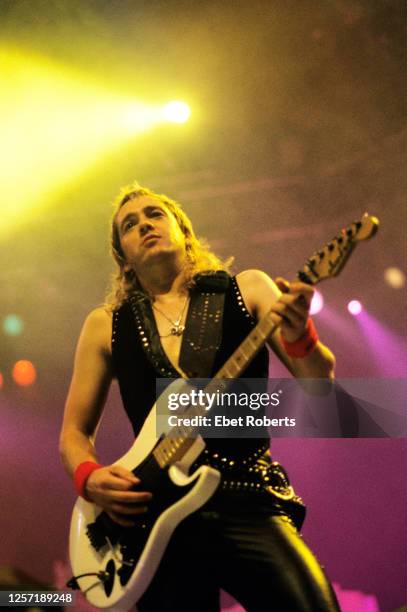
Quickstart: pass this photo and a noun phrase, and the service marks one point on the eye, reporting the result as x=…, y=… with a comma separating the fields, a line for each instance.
x=156, y=213
x=128, y=225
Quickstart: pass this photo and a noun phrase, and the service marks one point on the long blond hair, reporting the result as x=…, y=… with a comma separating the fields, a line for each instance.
x=199, y=256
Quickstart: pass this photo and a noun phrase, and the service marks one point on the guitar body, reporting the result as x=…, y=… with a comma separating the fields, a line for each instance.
x=131, y=559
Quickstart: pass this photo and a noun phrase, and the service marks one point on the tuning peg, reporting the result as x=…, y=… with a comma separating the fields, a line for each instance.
x=330, y=246
x=321, y=254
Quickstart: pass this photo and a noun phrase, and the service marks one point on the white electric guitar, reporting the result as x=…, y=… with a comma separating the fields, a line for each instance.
x=113, y=565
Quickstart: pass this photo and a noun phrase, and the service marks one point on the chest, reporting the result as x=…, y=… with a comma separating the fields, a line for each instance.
x=171, y=342
x=172, y=348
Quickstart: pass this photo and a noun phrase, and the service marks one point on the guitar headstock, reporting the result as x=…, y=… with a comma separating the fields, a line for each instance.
x=330, y=260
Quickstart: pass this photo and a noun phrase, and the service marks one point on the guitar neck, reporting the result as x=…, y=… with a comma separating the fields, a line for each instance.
x=323, y=264
x=180, y=438
x=249, y=348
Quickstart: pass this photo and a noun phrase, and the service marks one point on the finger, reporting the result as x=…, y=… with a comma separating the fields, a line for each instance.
x=128, y=511
x=276, y=317
x=302, y=300
x=116, y=483
x=297, y=287
x=131, y=497
x=121, y=472
x=296, y=302
x=282, y=284
x=301, y=304
x=290, y=315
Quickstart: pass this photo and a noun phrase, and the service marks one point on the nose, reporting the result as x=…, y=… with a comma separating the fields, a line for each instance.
x=145, y=227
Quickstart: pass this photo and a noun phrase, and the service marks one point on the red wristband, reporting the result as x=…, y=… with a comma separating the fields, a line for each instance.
x=82, y=473
x=304, y=345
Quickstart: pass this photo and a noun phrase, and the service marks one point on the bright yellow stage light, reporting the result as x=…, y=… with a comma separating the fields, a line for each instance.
x=176, y=112
x=137, y=117
x=55, y=124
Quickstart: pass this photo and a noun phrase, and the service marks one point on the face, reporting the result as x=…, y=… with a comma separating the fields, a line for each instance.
x=148, y=231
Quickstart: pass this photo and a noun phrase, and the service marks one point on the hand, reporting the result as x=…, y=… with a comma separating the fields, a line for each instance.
x=292, y=308
x=112, y=488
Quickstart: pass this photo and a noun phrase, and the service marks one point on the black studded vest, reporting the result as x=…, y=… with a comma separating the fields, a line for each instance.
x=245, y=464
x=137, y=376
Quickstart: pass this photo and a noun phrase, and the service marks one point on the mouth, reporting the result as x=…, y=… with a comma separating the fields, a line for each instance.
x=150, y=237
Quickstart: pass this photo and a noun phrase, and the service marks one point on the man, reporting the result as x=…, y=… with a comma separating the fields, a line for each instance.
x=244, y=542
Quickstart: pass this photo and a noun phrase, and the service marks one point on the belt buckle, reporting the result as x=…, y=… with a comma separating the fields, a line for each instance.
x=288, y=493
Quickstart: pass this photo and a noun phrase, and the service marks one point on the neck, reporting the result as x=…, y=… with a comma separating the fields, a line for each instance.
x=162, y=281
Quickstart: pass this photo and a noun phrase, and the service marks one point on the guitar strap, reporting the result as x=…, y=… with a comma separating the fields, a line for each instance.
x=203, y=333
x=146, y=327
x=203, y=329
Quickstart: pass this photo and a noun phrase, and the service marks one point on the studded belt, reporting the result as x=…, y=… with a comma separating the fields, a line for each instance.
x=258, y=475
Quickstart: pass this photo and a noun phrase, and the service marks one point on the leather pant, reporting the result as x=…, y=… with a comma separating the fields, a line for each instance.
x=237, y=544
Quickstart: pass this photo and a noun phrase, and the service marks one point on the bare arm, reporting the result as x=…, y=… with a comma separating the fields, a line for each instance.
x=88, y=390
x=109, y=487
x=290, y=310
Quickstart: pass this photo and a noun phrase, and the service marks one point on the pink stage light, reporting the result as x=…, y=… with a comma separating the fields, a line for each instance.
x=317, y=303
x=355, y=307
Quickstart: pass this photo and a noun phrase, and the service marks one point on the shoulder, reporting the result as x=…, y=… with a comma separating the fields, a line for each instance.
x=254, y=281
x=258, y=290
x=99, y=318
x=97, y=328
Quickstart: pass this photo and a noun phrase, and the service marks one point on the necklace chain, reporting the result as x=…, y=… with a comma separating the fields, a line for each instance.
x=177, y=329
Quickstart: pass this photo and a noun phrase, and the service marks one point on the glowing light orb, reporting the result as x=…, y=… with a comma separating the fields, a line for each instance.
x=355, y=307
x=176, y=112
x=24, y=373
x=395, y=277
x=1, y=380
x=317, y=303
x=13, y=325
